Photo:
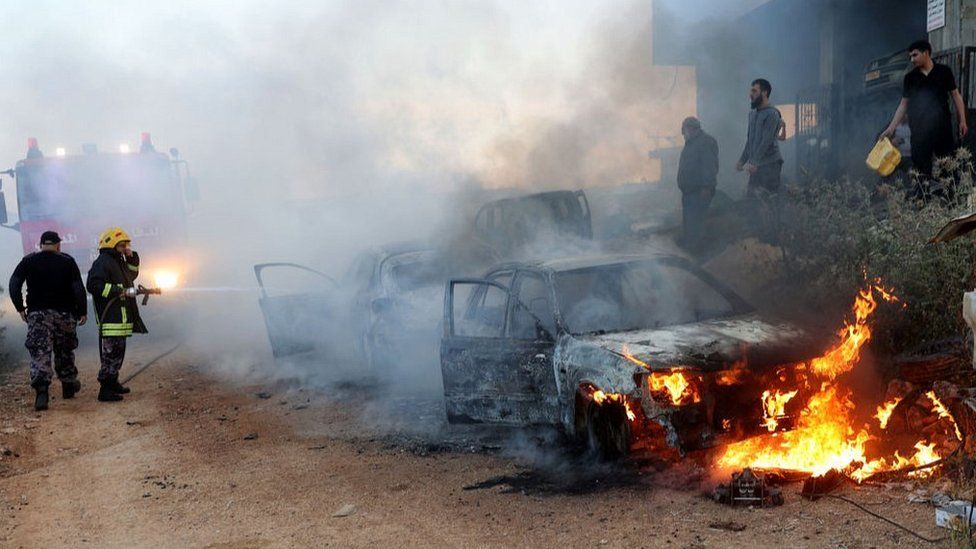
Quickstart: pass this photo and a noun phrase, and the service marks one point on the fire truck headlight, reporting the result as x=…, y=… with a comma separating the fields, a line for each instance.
x=166, y=280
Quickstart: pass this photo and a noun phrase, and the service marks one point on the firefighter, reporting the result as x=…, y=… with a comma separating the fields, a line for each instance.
x=111, y=281
x=56, y=305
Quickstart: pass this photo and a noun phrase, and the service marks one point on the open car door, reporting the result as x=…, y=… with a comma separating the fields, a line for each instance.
x=298, y=323
x=491, y=373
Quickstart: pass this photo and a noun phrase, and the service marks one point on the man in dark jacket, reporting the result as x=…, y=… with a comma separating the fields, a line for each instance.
x=111, y=282
x=697, y=170
x=56, y=305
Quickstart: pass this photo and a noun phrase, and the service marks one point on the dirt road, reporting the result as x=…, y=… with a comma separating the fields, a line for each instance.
x=191, y=459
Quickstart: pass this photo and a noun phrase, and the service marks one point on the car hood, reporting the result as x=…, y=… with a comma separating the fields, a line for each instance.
x=717, y=344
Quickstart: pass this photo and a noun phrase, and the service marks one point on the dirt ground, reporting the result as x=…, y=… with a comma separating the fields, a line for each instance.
x=191, y=459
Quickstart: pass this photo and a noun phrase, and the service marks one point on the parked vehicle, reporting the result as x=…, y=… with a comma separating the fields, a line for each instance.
x=589, y=344
x=509, y=225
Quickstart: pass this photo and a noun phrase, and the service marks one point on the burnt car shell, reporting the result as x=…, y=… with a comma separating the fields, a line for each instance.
x=386, y=308
x=510, y=224
x=513, y=353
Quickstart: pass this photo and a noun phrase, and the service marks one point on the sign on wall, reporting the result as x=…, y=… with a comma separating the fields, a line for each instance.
x=935, y=18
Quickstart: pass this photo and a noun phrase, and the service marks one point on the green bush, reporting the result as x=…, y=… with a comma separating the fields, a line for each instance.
x=836, y=233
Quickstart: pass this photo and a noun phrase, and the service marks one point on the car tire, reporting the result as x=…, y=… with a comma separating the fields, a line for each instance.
x=607, y=430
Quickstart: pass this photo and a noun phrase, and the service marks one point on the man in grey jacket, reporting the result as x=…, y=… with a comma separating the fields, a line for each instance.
x=760, y=157
x=697, y=170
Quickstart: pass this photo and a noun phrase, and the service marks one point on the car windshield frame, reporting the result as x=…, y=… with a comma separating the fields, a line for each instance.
x=738, y=305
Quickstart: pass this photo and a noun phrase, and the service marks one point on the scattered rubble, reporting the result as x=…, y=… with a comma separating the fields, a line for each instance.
x=817, y=487
x=750, y=489
x=729, y=525
x=954, y=515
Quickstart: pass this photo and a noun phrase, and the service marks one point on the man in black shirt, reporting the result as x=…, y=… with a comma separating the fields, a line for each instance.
x=925, y=98
x=56, y=305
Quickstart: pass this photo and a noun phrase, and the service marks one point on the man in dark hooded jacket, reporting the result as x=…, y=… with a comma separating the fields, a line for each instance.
x=111, y=282
x=697, y=172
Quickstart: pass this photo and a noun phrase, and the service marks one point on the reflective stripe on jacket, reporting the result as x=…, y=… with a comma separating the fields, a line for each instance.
x=109, y=276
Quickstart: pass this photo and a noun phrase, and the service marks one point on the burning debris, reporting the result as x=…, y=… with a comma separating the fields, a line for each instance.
x=827, y=441
x=750, y=489
x=818, y=486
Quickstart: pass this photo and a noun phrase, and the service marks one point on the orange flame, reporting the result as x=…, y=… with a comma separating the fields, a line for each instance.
x=626, y=353
x=842, y=358
x=774, y=407
x=678, y=387
x=601, y=397
x=824, y=437
x=943, y=412
x=885, y=411
x=734, y=375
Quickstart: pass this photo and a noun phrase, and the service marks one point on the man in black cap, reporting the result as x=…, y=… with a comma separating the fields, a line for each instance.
x=56, y=305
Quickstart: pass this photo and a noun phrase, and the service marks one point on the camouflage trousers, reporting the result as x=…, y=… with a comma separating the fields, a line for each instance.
x=112, y=354
x=51, y=336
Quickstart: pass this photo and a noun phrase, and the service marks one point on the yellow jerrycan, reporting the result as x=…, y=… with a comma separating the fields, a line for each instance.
x=884, y=157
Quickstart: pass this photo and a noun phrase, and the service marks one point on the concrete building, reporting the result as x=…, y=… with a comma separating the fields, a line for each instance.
x=835, y=65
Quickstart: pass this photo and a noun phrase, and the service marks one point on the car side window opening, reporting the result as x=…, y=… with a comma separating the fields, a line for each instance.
x=533, y=317
x=479, y=309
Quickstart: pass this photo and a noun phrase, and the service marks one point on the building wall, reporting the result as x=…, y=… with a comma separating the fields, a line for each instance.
x=812, y=52
x=960, y=27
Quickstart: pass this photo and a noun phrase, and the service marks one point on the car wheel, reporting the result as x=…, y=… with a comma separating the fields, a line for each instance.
x=607, y=430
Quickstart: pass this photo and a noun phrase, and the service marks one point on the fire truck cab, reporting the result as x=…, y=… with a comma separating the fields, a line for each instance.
x=79, y=195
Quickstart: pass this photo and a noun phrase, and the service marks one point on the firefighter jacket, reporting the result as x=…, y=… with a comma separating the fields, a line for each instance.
x=109, y=276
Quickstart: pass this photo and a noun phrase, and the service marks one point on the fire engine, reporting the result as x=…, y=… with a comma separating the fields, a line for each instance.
x=149, y=193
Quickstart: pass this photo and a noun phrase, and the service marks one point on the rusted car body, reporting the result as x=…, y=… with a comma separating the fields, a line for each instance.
x=545, y=342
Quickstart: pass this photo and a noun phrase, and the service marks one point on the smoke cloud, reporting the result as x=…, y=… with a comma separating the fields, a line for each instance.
x=318, y=130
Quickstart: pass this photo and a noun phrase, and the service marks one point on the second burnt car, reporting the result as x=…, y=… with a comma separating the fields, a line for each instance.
x=625, y=352
x=384, y=311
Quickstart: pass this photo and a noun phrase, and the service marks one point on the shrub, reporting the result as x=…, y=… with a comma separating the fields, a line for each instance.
x=836, y=233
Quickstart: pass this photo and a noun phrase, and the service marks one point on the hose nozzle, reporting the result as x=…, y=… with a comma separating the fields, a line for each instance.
x=146, y=292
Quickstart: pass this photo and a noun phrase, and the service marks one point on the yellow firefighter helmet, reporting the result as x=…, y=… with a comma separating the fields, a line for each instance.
x=111, y=237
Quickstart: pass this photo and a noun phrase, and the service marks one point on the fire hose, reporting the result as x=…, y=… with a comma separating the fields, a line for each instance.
x=904, y=471
x=145, y=292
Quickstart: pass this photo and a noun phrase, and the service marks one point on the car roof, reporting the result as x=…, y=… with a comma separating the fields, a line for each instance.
x=584, y=262
x=531, y=197
x=405, y=257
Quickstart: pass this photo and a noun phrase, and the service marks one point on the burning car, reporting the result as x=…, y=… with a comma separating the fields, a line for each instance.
x=625, y=352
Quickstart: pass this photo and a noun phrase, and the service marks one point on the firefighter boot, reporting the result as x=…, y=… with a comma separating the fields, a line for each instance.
x=107, y=392
x=118, y=387
x=70, y=388
x=40, y=401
